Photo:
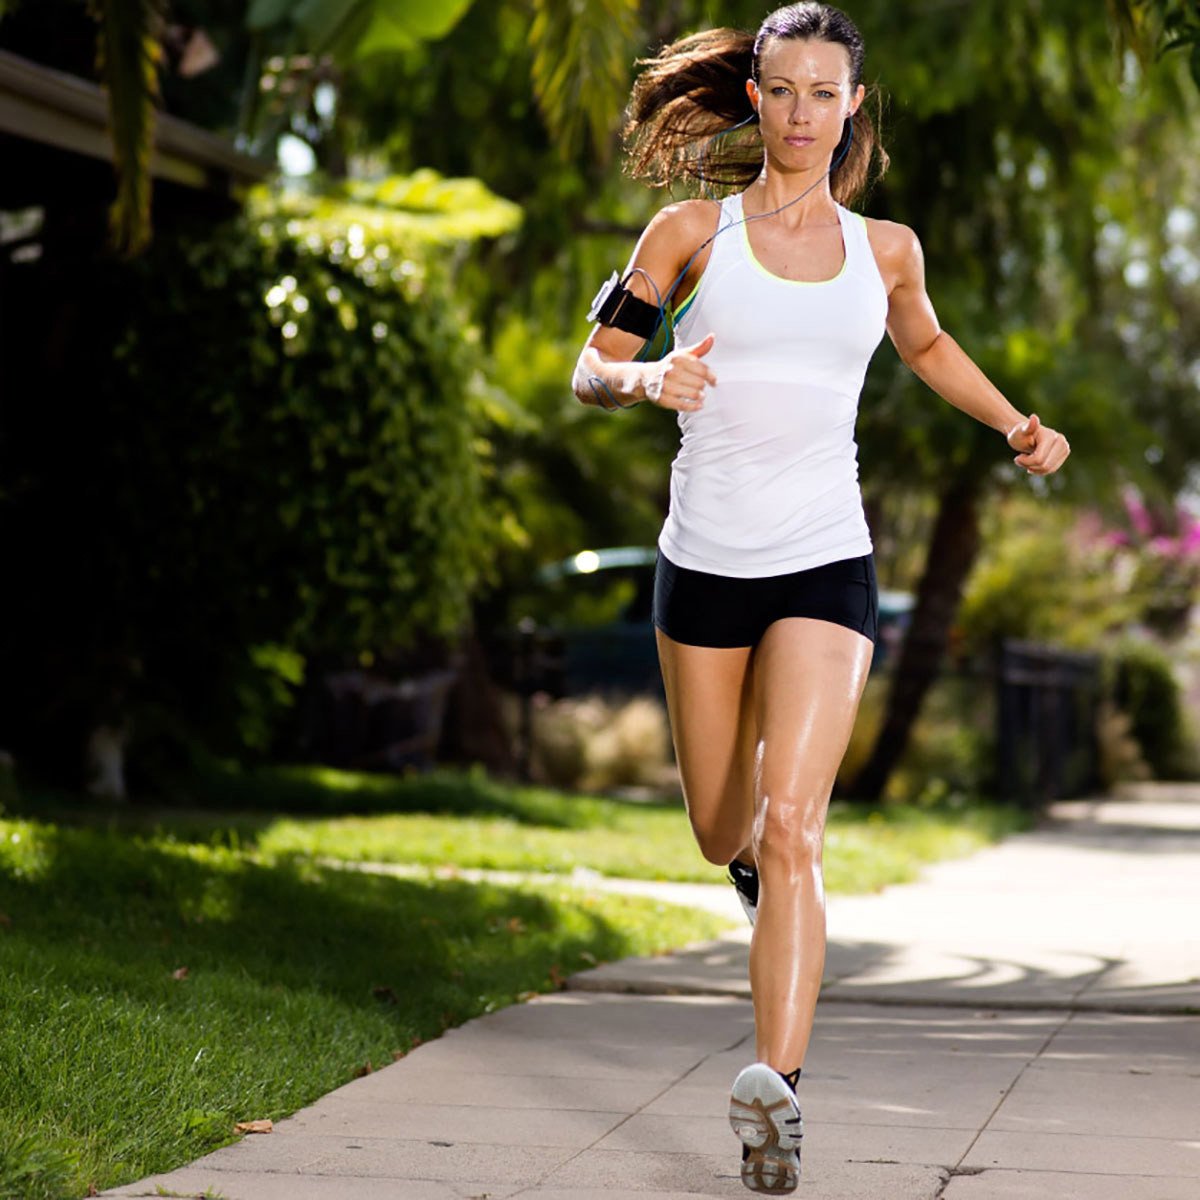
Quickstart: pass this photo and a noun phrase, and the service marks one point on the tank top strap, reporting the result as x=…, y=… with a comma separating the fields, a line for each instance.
x=860, y=257
x=724, y=241
x=722, y=256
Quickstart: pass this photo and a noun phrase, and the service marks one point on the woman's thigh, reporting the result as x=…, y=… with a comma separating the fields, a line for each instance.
x=710, y=702
x=809, y=677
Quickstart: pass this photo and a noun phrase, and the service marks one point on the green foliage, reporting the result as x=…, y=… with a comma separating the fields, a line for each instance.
x=356, y=28
x=1140, y=678
x=581, y=68
x=1156, y=27
x=1020, y=151
x=273, y=456
x=394, y=211
x=1038, y=577
x=564, y=476
x=949, y=760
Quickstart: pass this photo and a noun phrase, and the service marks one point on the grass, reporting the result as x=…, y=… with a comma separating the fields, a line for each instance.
x=117, y=1062
x=469, y=820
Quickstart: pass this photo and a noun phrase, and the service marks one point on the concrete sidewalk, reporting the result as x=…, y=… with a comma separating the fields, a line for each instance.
x=1018, y=1025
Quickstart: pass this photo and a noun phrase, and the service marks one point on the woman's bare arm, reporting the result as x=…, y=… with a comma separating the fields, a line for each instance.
x=936, y=358
x=606, y=361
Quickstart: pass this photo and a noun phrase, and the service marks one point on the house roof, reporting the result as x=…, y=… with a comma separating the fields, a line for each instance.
x=58, y=109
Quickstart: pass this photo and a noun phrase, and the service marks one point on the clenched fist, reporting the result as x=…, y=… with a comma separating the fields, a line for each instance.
x=678, y=381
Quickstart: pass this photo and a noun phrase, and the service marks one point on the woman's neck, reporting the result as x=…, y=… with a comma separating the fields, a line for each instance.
x=774, y=189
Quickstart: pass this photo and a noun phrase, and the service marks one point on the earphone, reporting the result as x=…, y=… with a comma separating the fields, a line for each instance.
x=664, y=318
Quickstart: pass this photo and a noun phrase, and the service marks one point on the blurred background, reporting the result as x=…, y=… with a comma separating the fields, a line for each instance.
x=291, y=475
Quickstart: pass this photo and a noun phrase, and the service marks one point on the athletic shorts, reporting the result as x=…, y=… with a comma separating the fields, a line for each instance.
x=701, y=609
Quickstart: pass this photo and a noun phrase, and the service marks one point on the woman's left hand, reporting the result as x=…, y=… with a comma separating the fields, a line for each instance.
x=1042, y=449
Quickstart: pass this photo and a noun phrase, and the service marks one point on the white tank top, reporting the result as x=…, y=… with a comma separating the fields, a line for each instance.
x=766, y=478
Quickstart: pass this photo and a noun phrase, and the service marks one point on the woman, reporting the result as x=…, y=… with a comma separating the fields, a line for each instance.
x=765, y=591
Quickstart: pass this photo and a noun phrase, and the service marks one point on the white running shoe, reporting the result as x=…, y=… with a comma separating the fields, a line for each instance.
x=765, y=1115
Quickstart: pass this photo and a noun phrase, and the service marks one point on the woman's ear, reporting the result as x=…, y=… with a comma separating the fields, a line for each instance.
x=753, y=93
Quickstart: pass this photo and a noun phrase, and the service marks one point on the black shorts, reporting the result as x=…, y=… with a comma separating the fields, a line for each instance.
x=700, y=609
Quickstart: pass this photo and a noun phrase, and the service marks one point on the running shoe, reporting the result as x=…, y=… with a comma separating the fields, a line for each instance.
x=765, y=1115
x=745, y=879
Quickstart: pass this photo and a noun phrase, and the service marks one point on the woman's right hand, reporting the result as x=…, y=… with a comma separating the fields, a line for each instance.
x=679, y=380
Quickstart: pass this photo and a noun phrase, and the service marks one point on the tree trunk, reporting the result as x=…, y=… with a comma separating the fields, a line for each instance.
x=953, y=549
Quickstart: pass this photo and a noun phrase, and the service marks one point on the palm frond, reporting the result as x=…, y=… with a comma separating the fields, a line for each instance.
x=128, y=54
x=582, y=53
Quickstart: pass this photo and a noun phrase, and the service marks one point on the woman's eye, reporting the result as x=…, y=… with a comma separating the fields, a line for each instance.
x=776, y=90
x=825, y=92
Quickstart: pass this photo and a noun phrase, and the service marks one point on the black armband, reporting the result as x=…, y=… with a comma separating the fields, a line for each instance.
x=616, y=306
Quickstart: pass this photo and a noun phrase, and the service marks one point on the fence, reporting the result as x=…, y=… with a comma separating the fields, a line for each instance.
x=1046, y=741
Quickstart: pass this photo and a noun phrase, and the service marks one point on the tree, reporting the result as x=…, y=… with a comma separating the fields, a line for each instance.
x=1011, y=160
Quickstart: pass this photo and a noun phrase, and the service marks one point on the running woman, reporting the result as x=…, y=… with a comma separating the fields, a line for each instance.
x=766, y=599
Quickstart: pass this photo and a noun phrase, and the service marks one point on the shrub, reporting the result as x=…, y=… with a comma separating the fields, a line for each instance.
x=1139, y=677
x=260, y=449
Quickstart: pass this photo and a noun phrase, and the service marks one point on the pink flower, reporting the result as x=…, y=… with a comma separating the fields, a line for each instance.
x=1189, y=533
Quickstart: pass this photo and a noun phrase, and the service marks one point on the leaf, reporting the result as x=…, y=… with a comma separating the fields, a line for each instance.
x=266, y=1125
x=425, y=18
x=128, y=56
x=326, y=21
x=401, y=24
x=264, y=13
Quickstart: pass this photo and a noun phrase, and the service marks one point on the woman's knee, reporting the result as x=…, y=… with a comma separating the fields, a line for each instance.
x=789, y=831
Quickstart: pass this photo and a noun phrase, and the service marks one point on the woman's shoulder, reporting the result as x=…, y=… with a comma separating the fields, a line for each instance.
x=686, y=220
x=891, y=241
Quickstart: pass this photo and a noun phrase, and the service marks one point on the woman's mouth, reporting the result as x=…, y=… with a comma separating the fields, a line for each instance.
x=799, y=141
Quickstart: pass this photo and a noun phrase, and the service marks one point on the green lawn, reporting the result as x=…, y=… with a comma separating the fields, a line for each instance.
x=112, y=1068
x=468, y=820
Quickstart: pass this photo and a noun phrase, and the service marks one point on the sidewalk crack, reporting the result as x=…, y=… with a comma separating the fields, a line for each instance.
x=958, y=1168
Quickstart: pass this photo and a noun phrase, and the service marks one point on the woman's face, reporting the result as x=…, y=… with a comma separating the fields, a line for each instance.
x=803, y=96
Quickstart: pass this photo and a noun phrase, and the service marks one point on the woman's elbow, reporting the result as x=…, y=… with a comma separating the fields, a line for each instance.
x=917, y=357
x=579, y=384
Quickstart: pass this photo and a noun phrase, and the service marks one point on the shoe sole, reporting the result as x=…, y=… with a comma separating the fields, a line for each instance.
x=764, y=1115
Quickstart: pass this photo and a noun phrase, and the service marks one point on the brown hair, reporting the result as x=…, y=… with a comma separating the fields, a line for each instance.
x=694, y=91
